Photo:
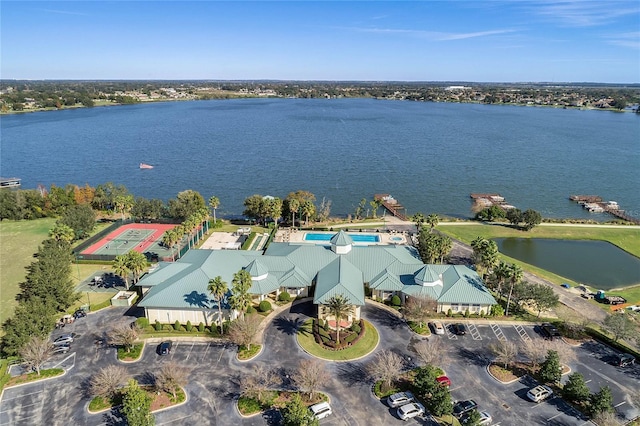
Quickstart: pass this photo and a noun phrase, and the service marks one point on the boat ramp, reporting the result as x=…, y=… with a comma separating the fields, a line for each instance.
x=595, y=204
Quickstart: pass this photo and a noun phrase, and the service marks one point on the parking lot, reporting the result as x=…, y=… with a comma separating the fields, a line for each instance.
x=213, y=381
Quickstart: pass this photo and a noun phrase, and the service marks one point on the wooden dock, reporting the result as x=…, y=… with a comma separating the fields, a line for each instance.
x=482, y=201
x=9, y=182
x=594, y=204
x=392, y=205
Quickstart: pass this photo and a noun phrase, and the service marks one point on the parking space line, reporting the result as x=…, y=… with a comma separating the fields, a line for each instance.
x=190, y=351
x=522, y=332
x=175, y=420
x=623, y=402
x=551, y=418
x=173, y=352
x=450, y=335
x=474, y=332
x=498, y=332
x=587, y=381
x=20, y=396
x=204, y=355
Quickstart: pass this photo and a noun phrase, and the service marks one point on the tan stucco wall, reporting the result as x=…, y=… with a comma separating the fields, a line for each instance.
x=169, y=316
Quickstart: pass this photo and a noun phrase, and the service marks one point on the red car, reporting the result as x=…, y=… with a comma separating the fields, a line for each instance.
x=444, y=380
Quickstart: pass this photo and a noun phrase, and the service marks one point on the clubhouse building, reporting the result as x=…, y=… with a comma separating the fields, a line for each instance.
x=337, y=266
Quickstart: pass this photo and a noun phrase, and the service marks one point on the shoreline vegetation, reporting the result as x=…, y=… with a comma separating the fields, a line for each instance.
x=37, y=96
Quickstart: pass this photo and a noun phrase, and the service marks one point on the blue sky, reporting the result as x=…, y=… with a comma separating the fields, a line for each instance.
x=482, y=41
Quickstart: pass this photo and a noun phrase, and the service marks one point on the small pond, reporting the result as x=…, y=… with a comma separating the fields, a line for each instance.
x=596, y=263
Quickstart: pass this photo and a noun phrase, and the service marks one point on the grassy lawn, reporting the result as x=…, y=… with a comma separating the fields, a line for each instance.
x=246, y=354
x=20, y=240
x=133, y=355
x=32, y=377
x=365, y=345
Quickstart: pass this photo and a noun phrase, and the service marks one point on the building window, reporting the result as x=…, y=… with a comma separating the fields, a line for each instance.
x=455, y=307
x=475, y=308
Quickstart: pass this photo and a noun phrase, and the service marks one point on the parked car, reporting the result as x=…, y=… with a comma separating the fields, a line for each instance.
x=444, y=380
x=321, y=410
x=539, y=393
x=79, y=314
x=60, y=349
x=624, y=360
x=436, y=327
x=485, y=419
x=400, y=398
x=409, y=411
x=549, y=331
x=164, y=348
x=459, y=329
x=65, y=339
x=462, y=407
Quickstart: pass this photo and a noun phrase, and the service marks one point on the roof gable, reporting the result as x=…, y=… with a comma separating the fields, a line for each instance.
x=339, y=277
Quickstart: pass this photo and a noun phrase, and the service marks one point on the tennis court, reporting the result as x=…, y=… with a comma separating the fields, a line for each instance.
x=141, y=237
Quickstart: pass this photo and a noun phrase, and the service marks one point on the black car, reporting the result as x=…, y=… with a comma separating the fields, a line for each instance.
x=549, y=331
x=79, y=314
x=459, y=329
x=462, y=407
x=624, y=360
x=164, y=348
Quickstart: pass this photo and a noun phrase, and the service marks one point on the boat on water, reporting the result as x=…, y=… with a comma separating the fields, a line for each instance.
x=9, y=182
x=145, y=166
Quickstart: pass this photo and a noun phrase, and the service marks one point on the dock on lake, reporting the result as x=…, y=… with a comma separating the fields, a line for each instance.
x=9, y=182
x=392, y=205
x=594, y=204
x=483, y=201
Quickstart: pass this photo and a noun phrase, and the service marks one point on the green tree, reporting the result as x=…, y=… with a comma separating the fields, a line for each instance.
x=515, y=276
x=514, y=216
x=81, y=218
x=601, y=401
x=218, y=289
x=472, y=418
x=550, y=370
x=136, y=405
x=432, y=220
x=375, y=205
x=308, y=209
x=296, y=413
x=531, y=218
x=8, y=205
x=121, y=268
x=542, y=297
x=501, y=274
x=294, y=206
x=576, y=388
x=253, y=207
x=136, y=263
x=485, y=255
x=440, y=402
x=360, y=209
x=62, y=232
x=240, y=298
x=185, y=204
x=340, y=307
x=32, y=317
x=620, y=325
x=418, y=219
x=123, y=204
x=214, y=203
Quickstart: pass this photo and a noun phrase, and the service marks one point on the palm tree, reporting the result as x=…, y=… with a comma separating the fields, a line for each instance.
x=294, y=206
x=62, y=233
x=515, y=276
x=218, y=289
x=418, y=219
x=121, y=268
x=308, y=209
x=501, y=273
x=214, y=203
x=445, y=244
x=339, y=307
x=432, y=220
x=136, y=262
x=240, y=298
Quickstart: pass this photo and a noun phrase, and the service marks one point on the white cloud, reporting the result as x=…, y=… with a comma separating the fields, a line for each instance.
x=435, y=35
x=631, y=39
x=63, y=12
x=585, y=13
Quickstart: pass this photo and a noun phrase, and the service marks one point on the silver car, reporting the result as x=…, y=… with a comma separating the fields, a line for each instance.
x=410, y=411
x=65, y=339
x=400, y=398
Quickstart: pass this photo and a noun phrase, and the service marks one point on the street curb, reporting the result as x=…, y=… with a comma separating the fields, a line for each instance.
x=64, y=373
x=343, y=360
x=144, y=345
x=253, y=357
x=498, y=380
x=93, y=413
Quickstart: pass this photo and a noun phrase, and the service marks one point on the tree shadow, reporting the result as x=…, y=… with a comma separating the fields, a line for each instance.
x=382, y=317
x=305, y=308
x=353, y=373
x=194, y=298
x=114, y=417
x=288, y=325
x=475, y=358
x=146, y=378
x=272, y=416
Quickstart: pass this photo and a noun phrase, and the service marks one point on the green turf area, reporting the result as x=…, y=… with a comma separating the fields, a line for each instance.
x=19, y=240
x=364, y=346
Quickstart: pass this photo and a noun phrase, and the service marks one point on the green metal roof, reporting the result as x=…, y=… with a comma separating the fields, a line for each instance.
x=386, y=281
x=341, y=239
x=257, y=269
x=339, y=277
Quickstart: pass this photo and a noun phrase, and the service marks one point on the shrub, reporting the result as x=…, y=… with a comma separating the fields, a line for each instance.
x=158, y=326
x=466, y=313
x=449, y=312
x=167, y=327
x=251, y=310
x=264, y=306
x=176, y=325
x=482, y=313
x=395, y=300
x=201, y=327
x=497, y=310
x=143, y=322
x=284, y=297
x=188, y=327
x=325, y=325
x=355, y=328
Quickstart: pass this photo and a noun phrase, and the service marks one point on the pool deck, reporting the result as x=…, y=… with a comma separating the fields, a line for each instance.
x=288, y=235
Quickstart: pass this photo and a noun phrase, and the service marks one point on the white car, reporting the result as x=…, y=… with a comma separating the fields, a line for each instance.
x=437, y=327
x=485, y=418
x=400, y=398
x=634, y=308
x=321, y=410
x=539, y=393
x=409, y=411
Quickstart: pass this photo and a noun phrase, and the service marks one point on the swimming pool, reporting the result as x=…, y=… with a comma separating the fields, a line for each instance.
x=357, y=238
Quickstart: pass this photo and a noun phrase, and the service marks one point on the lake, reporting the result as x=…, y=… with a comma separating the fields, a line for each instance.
x=596, y=263
x=429, y=156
